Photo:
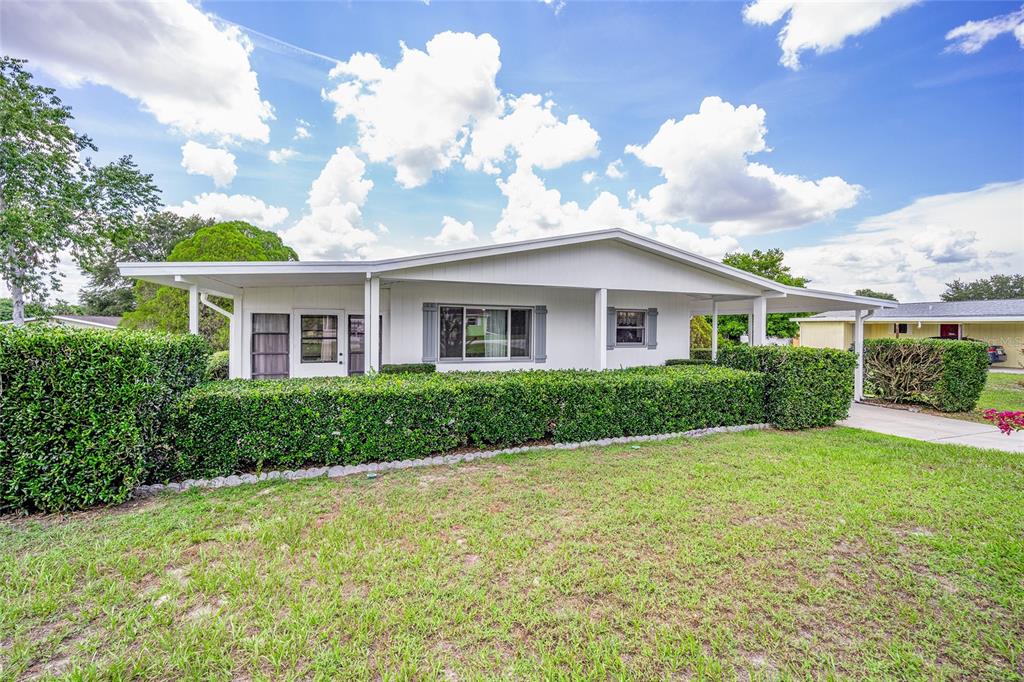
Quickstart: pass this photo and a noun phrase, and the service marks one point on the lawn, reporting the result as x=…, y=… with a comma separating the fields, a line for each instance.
x=825, y=553
x=1003, y=391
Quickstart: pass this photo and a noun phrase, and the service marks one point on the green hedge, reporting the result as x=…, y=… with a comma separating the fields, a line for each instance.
x=217, y=366
x=672, y=362
x=804, y=387
x=947, y=374
x=409, y=368
x=700, y=354
x=232, y=426
x=82, y=412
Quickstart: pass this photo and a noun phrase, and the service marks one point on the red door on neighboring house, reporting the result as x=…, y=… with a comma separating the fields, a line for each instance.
x=949, y=331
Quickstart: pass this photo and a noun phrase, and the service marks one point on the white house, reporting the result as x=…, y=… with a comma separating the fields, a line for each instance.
x=595, y=300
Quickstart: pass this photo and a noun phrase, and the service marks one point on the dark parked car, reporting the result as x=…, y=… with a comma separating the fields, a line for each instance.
x=995, y=353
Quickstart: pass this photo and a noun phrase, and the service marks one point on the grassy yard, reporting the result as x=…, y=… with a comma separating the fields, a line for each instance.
x=1002, y=392
x=828, y=553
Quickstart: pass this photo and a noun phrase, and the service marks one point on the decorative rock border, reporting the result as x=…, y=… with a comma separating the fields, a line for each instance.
x=375, y=467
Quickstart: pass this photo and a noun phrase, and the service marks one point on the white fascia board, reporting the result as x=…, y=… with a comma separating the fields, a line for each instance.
x=77, y=320
x=914, y=320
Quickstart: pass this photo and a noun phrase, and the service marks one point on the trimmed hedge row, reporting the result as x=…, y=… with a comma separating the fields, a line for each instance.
x=82, y=412
x=804, y=387
x=409, y=368
x=674, y=362
x=944, y=373
x=233, y=426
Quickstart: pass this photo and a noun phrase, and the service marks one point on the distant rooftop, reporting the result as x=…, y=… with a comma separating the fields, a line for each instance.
x=952, y=310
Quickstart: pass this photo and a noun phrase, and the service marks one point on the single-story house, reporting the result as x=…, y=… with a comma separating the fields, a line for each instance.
x=80, y=321
x=595, y=300
x=999, y=323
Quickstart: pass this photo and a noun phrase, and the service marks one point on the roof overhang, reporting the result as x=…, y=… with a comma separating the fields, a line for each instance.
x=915, y=320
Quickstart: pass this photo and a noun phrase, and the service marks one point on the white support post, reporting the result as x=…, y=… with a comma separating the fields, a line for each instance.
x=759, y=321
x=371, y=321
x=858, y=348
x=193, y=309
x=601, y=327
x=235, y=357
x=714, y=331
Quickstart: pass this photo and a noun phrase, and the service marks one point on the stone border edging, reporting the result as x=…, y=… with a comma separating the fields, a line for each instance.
x=351, y=470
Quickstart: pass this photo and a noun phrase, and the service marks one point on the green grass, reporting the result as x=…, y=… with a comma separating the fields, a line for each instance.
x=1002, y=392
x=827, y=554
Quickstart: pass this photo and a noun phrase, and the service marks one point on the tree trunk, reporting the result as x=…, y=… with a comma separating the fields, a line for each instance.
x=17, y=293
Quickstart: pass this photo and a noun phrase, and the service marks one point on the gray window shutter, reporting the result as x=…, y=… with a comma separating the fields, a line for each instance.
x=611, y=328
x=430, y=332
x=540, y=333
x=652, y=328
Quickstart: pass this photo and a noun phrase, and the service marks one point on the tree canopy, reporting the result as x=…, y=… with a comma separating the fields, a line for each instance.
x=166, y=308
x=986, y=289
x=768, y=264
x=871, y=293
x=151, y=239
x=52, y=199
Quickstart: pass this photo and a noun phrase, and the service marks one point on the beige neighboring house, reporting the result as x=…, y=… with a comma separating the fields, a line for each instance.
x=998, y=323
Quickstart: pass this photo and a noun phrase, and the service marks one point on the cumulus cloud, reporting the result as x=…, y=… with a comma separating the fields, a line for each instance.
x=819, y=26
x=972, y=36
x=533, y=210
x=710, y=179
x=232, y=207
x=915, y=250
x=281, y=155
x=416, y=115
x=454, y=232
x=184, y=68
x=302, y=131
x=527, y=126
x=332, y=226
x=589, y=177
x=614, y=170
x=219, y=164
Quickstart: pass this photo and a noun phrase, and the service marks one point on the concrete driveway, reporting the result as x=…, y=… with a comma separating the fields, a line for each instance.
x=927, y=427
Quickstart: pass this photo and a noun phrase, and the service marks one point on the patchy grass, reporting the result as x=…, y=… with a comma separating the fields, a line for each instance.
x=833, y=553
x=1003, y=391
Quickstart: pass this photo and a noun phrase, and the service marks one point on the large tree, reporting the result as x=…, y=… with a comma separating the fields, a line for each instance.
x=986, y=289
x=166, y=308
x=53, y=200
x=871, y=293
x=768, y=264
x=152, y=239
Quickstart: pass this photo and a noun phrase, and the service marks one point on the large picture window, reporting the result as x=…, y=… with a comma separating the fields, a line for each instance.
x=319, y=338
x=270, y=345
x=630, y=327
x=484, y=333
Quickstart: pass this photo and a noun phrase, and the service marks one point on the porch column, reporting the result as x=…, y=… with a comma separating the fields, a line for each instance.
x=371, y=321
x=714, y=331
x=193, y=309
x=235, y=343
x=759, y=321
x=601, y=327
x=858, y=348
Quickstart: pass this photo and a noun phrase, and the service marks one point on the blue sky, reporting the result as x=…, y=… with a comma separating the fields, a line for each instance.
x=875, y=147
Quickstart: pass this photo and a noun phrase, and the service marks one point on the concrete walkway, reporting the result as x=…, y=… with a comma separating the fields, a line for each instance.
x=930, y=428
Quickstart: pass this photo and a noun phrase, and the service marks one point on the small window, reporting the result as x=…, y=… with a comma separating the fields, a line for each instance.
x=477, y=333
x=319, y=338
x=630, y=327
x=899, y=328
x=270, y=345
x=521, y=324
x=451, y=333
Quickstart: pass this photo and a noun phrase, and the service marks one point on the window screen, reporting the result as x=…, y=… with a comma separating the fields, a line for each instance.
x=270, y=345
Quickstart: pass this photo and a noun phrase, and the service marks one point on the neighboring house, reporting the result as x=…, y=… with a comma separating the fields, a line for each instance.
x=594, y=300
x=995, y=322
x=82, y=321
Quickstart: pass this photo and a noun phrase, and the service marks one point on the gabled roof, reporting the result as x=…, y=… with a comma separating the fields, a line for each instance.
x=1009, y=309
x=106, y=321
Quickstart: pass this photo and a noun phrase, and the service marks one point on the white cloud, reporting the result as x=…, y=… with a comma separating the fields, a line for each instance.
x=528, y=126
x=709, y=178
x=915, y=250
x=974, y=35
x=332, y=227
x=614, y=170
x=219, y=164
x=232, y=207
x=533, y=210
x=185, y=69
x=281, y=155
x=819, y=26
x=454, y=232
x=416, y=115
x=589, y=177
x=383, y=229
x=302, y=131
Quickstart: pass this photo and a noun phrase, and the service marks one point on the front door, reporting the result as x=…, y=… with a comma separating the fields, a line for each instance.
x=949, y=331
x=316, y=349
x=356, y=345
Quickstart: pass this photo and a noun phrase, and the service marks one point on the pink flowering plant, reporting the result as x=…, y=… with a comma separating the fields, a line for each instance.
x=1008, y=421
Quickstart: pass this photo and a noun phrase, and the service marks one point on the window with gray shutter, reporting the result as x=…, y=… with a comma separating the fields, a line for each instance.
x=652, y=328
x=430, y=333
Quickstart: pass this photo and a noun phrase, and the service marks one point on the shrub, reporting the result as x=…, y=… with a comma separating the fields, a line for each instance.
x=83, y=411
x=700, y=354
x=947, y=374
x=233, y=426
x=686, y=361
x=217, y=366
x=410, y=368
x=804, y=387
